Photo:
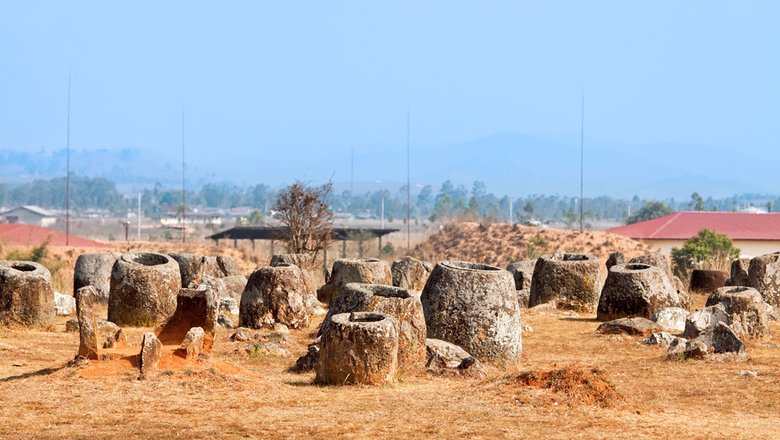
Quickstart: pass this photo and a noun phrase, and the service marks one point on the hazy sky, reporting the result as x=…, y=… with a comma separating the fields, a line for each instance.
x=265, y=83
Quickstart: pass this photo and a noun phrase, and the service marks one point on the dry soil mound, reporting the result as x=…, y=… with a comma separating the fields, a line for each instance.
x=501, y=243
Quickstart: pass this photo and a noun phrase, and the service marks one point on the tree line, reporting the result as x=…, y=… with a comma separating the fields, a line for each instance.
x=447, y=202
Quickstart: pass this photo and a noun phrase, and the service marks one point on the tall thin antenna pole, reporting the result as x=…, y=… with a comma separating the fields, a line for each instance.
x=408, y=188
x=352, y=172
x=67, y=177
x=582, y=162
x=183, y=189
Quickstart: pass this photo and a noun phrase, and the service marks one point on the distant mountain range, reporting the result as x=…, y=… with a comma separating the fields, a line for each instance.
x=509, y=163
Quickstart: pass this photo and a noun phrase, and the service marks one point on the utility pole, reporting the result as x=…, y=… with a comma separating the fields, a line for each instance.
x=183, y=189
x=408, y=188
x=582, y=162
x=383, y=212
x=67, y=177
x=139, y=216
x=510, y=210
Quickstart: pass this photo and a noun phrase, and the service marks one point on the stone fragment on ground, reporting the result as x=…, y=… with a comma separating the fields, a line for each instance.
x=192, y=346
x=671, y=319
x=151, y=351
x=629, y=326
x=446, y=358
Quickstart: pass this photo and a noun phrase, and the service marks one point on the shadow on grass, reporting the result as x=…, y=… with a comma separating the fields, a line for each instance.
x=579, y=319
x=43, y=372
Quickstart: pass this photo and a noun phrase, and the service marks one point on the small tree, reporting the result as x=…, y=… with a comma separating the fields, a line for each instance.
x=696, y=203
x=304, y=211
x=650, y=210
x=708, y=250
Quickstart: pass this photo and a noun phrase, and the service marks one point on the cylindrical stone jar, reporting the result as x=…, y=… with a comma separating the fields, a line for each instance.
x=144, y=286
x=569, y=280
x=358, y=348
x=404, y=305
x=275, y=294
x=707, y=280
x=635, y=290
x=474, y=306
x=26, y=293
x=94, y=269
x=355, y=270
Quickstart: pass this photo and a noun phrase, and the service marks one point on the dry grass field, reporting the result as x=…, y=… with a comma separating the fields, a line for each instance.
x=234, y=394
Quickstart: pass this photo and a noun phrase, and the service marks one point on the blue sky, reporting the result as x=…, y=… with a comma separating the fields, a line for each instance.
x=275, y=91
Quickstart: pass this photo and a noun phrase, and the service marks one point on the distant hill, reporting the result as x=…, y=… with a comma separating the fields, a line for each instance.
x=509, y=163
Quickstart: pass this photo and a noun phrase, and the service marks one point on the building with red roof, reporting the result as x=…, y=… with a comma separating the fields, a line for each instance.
x=29, y=235
x=754, y=234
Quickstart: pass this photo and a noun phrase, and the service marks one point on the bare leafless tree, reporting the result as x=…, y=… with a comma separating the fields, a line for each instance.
x=304, y=211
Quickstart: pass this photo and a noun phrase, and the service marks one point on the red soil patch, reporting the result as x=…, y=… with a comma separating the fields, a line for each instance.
x=577, y=384
x=125, y=360
x=30, y=235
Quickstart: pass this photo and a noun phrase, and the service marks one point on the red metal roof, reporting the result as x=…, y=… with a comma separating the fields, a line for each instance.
x=686, y=224
x=29, y=235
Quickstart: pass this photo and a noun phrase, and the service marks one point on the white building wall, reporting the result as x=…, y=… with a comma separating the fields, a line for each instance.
x=748, y=248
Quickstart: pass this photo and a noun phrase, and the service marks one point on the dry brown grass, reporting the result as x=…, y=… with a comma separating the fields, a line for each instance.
x=235, y=394
x=501, y=243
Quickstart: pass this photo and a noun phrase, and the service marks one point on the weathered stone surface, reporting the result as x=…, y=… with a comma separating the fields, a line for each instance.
x=355, y=270
x=275, y=294
x=635, y=290
x=88, y=330
x=358, y=348
x=308, y=361
x=681, y=348
x=229, y=305
x=190, y=267
x=225, y=321
x=764, y=276
x=629, y=326
x=725, y=340
x=523, y=296
x=707, y=280
x=671, y=319
x=194, y=268
x=746, y=309
x=151, y=352
x=243, y=334
x=738, y=275
x=71, y=325
x=193, y=344
x=194, y=308
x=571, y=281
x=704, y=320
x=660, y=338
x=446, y=358
x=64, y=305
x=402, y=304
x=26, y=294
x=615, y=258
x=656, y=259
x=144, y=287
x=522, y=272
x=94, y=269
x=682, y=292
x=313, y=274
x=234, y=286
x=410, y=273
x=474, y=306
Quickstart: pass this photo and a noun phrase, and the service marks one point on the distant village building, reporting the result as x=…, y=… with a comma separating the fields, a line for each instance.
x=29, y=215
x=754, y=234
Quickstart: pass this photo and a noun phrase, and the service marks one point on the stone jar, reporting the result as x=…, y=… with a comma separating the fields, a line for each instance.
x=474, y=306
x=144, y=286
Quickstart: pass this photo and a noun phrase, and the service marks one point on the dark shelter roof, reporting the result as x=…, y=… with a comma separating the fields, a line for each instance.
x=281, y=233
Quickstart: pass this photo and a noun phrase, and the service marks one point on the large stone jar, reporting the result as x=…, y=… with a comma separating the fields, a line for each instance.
x=636, y=290
x=571, y=281
x=26, y=293
x=474, y=306
x=144, y=286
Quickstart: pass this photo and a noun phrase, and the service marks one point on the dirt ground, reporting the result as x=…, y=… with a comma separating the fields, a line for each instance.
x=234, y=394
